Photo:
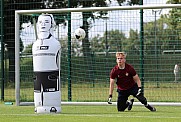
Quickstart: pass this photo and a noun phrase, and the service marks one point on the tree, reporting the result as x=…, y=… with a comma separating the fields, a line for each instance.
x=132, y=43
x=165, y=35
x=115, y=40
x=90, y=15
x=173, y=22
x=9, y=28
x=11, y=5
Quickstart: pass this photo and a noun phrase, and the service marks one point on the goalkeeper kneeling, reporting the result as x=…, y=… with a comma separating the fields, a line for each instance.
x=128, y=83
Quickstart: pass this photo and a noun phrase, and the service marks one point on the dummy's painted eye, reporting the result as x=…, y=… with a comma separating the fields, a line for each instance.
x=46, y=21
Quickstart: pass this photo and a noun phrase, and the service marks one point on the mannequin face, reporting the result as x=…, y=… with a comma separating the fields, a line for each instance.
x=44, y=23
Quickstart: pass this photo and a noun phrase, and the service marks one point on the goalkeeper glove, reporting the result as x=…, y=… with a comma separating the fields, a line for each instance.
x=110, y=99
x=139, y=91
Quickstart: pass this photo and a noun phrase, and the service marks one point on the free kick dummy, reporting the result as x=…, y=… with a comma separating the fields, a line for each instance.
x=46, y=53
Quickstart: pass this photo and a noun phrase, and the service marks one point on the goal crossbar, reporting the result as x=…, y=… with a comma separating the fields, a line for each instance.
x=98, y=8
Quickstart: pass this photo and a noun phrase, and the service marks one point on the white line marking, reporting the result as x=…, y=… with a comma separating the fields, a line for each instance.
x=92, y=115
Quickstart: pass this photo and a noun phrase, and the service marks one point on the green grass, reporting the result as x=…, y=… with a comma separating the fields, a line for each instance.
x=162, y=92
x=12, y=113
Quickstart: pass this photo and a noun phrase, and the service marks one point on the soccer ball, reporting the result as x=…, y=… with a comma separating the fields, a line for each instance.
x=79, y=33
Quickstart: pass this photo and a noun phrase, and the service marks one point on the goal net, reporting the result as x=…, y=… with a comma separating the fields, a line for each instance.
x=149, y=34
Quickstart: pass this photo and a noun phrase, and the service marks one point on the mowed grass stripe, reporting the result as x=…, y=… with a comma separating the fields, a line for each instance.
x=92, y=115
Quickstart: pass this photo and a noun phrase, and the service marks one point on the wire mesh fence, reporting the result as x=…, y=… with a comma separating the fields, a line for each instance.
x=93, y=57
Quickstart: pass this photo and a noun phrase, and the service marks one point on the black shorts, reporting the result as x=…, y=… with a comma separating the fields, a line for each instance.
x=126, y=93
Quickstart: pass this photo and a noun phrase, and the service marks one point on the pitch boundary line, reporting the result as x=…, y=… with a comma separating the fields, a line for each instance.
x=105, y=103
x=93, y=115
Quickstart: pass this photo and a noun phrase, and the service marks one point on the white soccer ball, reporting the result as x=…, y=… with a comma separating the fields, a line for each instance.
x=79, y=33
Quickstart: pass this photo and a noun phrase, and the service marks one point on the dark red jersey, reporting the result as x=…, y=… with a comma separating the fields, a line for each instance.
x=124, y=76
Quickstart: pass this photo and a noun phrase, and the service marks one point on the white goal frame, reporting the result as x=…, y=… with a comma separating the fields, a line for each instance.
x=39, y=11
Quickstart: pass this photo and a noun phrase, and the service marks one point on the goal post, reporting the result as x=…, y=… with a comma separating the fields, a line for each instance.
x=90, y=70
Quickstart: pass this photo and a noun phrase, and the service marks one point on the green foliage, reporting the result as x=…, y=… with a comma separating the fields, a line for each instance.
x=128, y=2
x=90, y=15
x=114, y=40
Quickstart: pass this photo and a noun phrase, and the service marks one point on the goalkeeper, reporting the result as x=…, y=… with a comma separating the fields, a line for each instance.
x=128, y=83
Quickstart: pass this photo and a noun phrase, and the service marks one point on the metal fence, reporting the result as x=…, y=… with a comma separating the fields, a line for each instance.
x=116, y=31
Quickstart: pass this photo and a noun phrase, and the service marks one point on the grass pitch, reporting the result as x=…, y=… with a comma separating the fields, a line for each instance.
x=12, y=113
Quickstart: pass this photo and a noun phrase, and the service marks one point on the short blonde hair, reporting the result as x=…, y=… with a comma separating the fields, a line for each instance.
x=121, y=53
